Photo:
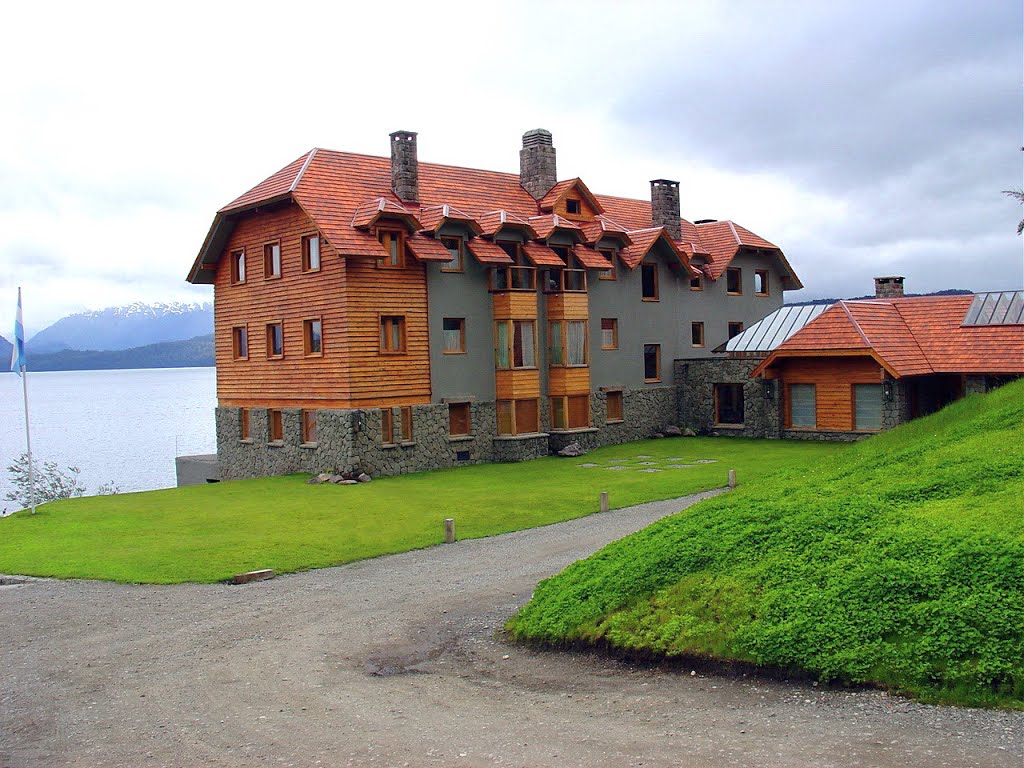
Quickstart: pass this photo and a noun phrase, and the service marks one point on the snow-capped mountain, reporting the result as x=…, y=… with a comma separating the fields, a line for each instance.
x=116, y=328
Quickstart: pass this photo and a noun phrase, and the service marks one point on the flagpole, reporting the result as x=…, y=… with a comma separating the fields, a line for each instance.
x=28, y=441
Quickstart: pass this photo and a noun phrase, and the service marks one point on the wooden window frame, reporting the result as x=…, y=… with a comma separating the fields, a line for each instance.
x=615, y=332
x=238, y=267
x=573, y=201
x=268, y=260
x=275, y=426
x=271, y=355
x=309, y=427
x=406, y=424
x=462, y=336
x=563, y=400
x=235, y=342
x=739, y=281
x=657, y=363
x=387, y=426
x=563, y=333
x=697, y=334
x=514, y=415
x=391, y=233
x=738, y=325
x=764, y=276
x=513, y=271
x=465, y=404
x=657, y=291
x=715, y=413
x=307, y=262
x=512, y=345
x=614, y=395
x=386, y=323
x=307, y=337
x=245, y=425
x=853, y=406
x=608, y=274
x=699, y=279
x=461, y=246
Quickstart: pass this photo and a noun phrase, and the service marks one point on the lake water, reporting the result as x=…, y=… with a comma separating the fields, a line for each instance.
x=124, y=427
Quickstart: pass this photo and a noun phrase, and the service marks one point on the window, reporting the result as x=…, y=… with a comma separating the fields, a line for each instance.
x=454, y=246
x=240, y=342
x=387, y=426
x=392, y=334
x=272, y=260
x=275, y=426
x=517, y=276
x=244, y=424
x=697, y=334
x=572, y=206
x=697, y=283
x=275, y=340
x=734, y=281
x=407, y=424
x=649, y=281
x=518, y=417
x=568, y=342
x=453, y=334
x=309, y=427
x=735, y=328
x=867, y=406
x=652, y=362
x=458, y=419
x=728, y=403
x=614, y=403
x=570, y=412
x=313, y=335
x=311, y=253
x=394, y=244
x=514, y=344
x=238, y=266
x=802, y=411
x=761, y=282
x=609, y=333
x=608, y=274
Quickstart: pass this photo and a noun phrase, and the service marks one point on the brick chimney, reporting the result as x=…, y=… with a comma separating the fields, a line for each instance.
x=537, y=163
x=888, y=287
x=665, y=206
x=405, y=167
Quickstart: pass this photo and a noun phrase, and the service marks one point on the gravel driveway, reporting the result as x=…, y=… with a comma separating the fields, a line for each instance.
x=394, y=662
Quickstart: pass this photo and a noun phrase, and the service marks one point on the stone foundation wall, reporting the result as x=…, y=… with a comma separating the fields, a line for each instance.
x=762, y=416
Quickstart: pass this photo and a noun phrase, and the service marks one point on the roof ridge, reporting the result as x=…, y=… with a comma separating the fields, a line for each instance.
x=735, y=234
x=913, y=336
x=856, y=325
x=298, y=177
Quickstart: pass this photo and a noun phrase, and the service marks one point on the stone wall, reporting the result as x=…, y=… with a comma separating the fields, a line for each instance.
x=696, y=379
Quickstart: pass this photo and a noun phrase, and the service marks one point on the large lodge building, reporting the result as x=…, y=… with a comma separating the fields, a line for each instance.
x=395, y=316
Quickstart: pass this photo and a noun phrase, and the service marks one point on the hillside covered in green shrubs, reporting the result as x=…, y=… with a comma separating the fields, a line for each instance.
x=897, y=563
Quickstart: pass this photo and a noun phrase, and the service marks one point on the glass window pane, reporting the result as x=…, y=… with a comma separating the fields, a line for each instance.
x=501, y=344
x=314, y=253
x=576, y=337
x=802, y=411
x=867, y=399
x=557, y=353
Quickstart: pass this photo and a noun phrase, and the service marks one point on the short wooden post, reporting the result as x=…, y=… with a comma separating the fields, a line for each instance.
x=732, y=478
x=604, y=501
x=449, y=530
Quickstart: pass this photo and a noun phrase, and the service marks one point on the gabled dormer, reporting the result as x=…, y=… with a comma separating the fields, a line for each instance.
x=571, y=199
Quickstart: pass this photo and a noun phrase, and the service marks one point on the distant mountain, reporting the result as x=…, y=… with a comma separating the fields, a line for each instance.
x=5, y=353
x=947, y=292
x=121, y=328
x=190, y=353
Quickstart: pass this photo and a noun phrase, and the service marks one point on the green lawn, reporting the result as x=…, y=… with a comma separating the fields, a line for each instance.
x=899, y=562
x=208, y=533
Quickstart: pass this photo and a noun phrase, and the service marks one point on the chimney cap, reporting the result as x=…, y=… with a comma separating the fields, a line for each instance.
x=887, y=278
x=537, y=137
x=664, y=183
x=403, y=135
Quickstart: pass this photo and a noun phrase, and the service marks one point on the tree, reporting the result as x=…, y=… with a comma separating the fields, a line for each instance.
x=49, y=483
x=1017, y=194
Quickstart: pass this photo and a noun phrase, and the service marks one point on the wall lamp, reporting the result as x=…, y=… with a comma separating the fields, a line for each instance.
x=887, y=390
x=769, y=388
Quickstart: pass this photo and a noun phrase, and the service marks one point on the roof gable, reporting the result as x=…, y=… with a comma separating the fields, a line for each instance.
x=557, y=195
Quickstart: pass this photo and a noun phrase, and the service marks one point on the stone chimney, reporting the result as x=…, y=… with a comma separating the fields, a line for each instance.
x=537, y=163
x=665, y=206
x=405, y=168
x=888, y=287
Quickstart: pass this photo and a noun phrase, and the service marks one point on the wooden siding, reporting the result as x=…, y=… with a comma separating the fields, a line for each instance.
x=569, y=381
x=517, y=384
x=833, y=379
x=587, y=213
x=293, y=380
x=515, y=305
x=567, y=306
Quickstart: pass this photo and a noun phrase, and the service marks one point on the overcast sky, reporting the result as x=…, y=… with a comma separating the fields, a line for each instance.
x=863, y=138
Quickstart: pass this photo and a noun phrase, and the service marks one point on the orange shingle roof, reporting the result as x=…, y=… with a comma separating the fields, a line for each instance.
x=487, y=252
x=590, y=258
x=910, y=336
x=493, y=222
x=278, y=185
x=433, y=217
x=545, y=225
x=643, y=242
x=562, y=188
x=368, y=213
x=602, y=226
x=427, y=248
x=542, y=256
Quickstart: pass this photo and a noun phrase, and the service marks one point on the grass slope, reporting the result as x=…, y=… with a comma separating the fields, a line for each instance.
x=207, y=533
x=899, y=563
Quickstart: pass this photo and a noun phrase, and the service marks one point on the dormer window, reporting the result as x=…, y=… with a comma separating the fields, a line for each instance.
x=454, y=246
x=394, y=244
x=572, y=205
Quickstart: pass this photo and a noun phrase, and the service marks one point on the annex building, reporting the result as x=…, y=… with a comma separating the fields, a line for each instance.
x=390, y=315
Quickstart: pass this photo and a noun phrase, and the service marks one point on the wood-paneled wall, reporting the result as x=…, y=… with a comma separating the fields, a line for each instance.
x=833, y=378
x=569, y=381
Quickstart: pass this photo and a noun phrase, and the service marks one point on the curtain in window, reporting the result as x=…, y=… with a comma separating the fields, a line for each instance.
x=557, y=354
x=452, y=339
x=867, y=400
x=523, y=344
x=801, y=405
x=502, y=345
x=576, y=342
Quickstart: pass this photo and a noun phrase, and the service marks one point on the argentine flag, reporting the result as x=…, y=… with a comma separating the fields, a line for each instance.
x=18, y=350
